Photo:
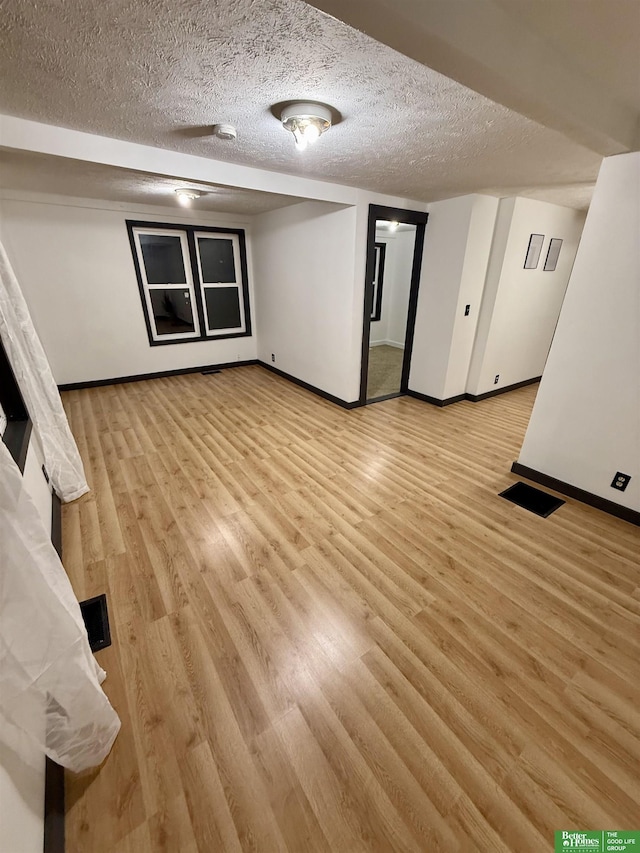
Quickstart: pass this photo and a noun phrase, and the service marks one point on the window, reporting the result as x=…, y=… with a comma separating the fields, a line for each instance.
x=219, y=269
x=167, y=286
x=192, y=280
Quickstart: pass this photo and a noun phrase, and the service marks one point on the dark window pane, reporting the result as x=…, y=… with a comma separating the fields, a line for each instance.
x=223, y=307
x=163, y=262
x=216, y=260
x=172, y=311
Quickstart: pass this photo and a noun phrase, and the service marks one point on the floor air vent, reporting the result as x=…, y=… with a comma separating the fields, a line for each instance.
x=96, y=620
x=532, y=499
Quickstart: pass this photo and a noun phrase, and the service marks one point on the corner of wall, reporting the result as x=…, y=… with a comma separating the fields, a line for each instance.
x=502, y=225
x=442, y=264
x=521, y=306
x=585, y=424
x=307, y=320
x=472, y=284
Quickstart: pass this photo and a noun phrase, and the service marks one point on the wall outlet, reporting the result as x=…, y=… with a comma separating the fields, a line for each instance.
x=497, y=379
x=620, y=481
x=467, y=308
x=273, y=357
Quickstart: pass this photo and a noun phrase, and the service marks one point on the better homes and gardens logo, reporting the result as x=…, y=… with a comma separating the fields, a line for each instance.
x=601, y=841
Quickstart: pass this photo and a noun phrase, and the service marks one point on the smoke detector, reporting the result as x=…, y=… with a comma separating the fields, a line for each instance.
x=224, y=131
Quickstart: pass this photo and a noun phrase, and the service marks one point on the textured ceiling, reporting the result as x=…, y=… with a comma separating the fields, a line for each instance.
x=23, y=170
x=162, y=72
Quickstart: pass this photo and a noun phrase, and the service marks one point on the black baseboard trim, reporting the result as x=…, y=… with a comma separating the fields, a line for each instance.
x=140, y=377
x=434, y=400
x=384, y=397
x=16, y=437
x=474, y=398
x=623, y=512
x=56, y=523
x=54, y=838
x=324, y=394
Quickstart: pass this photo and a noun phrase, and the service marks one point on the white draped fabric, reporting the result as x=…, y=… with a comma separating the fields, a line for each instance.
x=38, y=388
x=49, y=679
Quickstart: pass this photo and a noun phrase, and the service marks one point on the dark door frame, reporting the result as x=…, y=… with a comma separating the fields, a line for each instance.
x=406, y=217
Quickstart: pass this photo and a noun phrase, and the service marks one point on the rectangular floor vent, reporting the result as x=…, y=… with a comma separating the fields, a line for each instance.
x=96, y=620
x=534, y=500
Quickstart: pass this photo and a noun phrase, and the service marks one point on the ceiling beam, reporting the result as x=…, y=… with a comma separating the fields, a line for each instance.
x=25, y=135
x=480, y=45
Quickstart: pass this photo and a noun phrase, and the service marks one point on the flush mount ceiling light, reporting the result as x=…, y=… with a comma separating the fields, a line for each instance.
x=186, y=195
x=306, y=122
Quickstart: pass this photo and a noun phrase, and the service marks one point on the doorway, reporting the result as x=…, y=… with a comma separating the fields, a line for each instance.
x=394, y=259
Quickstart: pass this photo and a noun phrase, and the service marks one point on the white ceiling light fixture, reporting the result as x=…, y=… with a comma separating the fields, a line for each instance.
x=306, y=122
x=186, y=195
x=393, y=225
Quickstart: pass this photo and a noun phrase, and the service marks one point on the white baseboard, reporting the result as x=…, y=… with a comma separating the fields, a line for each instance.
x=386, y=344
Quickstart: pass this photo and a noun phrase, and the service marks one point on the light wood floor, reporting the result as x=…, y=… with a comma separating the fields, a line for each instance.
x=330, y=633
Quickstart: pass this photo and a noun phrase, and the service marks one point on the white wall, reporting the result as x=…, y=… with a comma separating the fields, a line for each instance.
x=304, y=260
x=309, y=262
x=503, y=215
x=472, y=280
x=22, y=763
x=456, y=251
x=392, y=326
x=22, y=774
x=73, y=261
x=520, y=307
x=585, y=424
x=474, y=254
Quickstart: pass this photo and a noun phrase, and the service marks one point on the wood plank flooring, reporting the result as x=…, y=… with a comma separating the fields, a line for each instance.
x=331, y=634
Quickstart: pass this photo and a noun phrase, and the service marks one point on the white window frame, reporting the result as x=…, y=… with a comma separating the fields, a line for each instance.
x=238, y=283
x=188, y=285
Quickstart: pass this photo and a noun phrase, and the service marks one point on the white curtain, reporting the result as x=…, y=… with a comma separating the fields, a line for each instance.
x=38, y=387
x=49, y=679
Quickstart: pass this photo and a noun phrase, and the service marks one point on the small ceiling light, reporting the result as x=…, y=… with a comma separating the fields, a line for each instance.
x=393, y=226
x=224, y=131
x=186, y=195
x=306, y=122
